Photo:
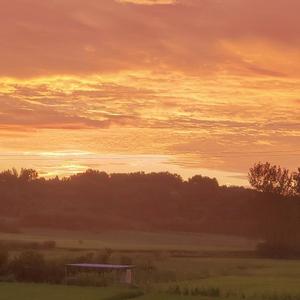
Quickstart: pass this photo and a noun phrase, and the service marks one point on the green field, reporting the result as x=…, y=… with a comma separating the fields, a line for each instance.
x=250, y=278
x=52, y=292
x=10, y=291
x=135, y=240
x=173, y=275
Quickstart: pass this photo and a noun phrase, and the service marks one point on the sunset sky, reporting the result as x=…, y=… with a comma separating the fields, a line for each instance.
x=187, y=86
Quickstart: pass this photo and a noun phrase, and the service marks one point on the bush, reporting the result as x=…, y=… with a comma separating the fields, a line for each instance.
x=29, y=266
x=54, y=271
x=3, y=261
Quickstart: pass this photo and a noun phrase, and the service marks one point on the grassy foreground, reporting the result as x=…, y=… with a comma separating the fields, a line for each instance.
x=212, y=278
x=15, y=291
x=172, y=276
x=20, y=291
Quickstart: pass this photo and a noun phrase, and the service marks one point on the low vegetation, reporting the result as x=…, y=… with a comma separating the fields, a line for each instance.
x=178, y=278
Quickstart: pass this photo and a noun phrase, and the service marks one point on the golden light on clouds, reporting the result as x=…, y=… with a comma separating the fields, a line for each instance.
x=188, y=86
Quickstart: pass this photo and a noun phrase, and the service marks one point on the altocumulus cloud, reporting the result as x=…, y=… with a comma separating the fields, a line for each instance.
x=194, y=36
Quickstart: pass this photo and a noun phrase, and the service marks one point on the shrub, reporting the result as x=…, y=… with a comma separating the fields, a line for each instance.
x=54, y=271
x=29, y=266
x=3, y=261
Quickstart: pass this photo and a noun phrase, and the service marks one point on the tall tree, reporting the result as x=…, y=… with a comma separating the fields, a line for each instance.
x=273, y=179
x=297, y=182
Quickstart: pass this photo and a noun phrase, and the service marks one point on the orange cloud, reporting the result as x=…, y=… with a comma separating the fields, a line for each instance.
x=195, y=36
x=204, y=84
x=217, y=123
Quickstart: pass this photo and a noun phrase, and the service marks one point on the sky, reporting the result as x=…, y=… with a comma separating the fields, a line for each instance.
x=190, y=86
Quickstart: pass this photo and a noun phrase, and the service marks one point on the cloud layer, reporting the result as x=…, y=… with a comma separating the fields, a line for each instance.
x=196, y=36
x=205, y=84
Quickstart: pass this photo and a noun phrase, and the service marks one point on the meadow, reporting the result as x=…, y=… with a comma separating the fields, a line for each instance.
x=133, y=240
x=179, y=266
x=50, y=292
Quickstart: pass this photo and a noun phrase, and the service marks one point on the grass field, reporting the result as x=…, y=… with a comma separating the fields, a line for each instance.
x=173, y=276
x=135, y=240
x=261, y=279
x=249, y=278
x=11, y=291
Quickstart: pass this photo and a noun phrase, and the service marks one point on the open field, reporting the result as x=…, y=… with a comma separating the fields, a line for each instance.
x=11, y=291
x=231, y=278
x=16, y=291
x=171, y=276
x=239, y=278
x=135, y=240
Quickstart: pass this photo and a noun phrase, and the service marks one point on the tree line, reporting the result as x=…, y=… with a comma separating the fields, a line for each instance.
x=95, y=201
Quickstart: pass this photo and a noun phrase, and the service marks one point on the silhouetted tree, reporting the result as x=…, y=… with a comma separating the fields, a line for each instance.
x=279, y=213
x=204, y=183
x=27, y=175
x=9, y=176
x=271, y=179
x=296, y=178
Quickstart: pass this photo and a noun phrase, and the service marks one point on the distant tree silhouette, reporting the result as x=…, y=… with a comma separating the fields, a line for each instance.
x=29, y=266
x=9, y=176
x=279, y=213
x=95, y=200
x=203, y=182
x=271, y=179
x=27, y=175
x=12, y=175
x=296, y=177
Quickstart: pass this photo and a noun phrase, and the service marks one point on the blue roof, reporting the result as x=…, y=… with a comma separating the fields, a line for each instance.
x=102, y=266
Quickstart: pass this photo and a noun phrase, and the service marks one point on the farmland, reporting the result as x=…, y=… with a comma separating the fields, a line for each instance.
x=233, y=278
x=49, y=292
x=183, y=266
x=134, y=240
